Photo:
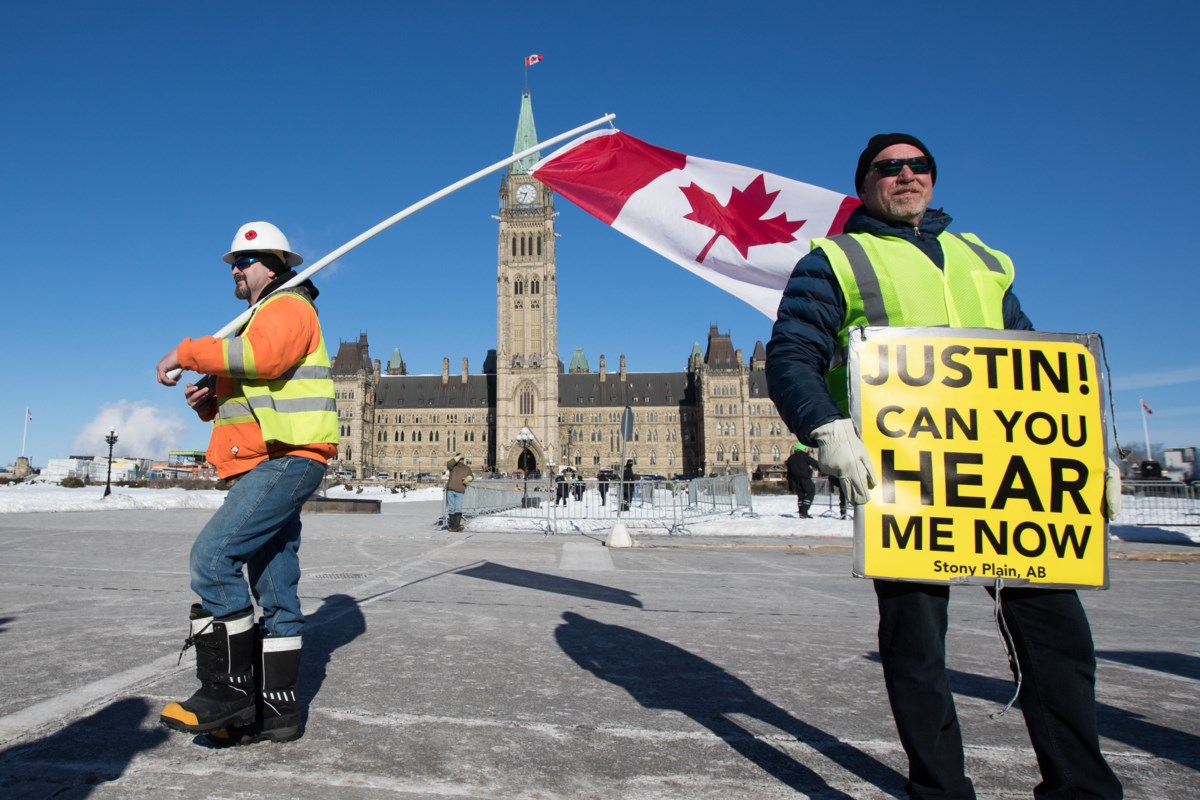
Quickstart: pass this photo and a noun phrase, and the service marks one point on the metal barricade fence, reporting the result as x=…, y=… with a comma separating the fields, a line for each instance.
x=569, y=505
x=1159, y=503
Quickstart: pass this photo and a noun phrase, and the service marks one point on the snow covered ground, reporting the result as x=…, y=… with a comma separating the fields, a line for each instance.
x=773, y=515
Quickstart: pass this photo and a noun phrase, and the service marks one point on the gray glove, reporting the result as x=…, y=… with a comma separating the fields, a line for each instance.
x=844, y=456
x=1112, y=490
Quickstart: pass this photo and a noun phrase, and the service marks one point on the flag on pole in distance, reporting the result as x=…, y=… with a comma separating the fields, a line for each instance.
x=536, y=58
x=28, y=414
x=738, y=228
x=1146, y=408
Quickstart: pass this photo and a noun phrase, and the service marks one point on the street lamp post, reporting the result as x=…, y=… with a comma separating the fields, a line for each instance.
x=111, y=439
x=525, y=437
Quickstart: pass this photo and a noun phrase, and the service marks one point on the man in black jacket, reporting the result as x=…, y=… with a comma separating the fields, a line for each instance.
x=892, y=244
x=800, y=466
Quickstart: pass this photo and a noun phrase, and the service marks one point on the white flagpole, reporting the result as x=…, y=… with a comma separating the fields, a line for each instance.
x=25, y=431
x=1146, y=431
x=301, y=277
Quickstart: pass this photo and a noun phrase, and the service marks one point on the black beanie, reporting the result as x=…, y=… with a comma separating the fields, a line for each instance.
x=880, y=142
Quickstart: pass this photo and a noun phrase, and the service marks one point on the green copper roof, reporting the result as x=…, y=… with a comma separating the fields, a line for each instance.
x=526, y=137
x=395, y=362
x=579, y=362
x=695, y=349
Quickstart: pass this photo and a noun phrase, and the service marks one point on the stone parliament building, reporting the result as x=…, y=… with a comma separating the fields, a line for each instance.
x=524, y=411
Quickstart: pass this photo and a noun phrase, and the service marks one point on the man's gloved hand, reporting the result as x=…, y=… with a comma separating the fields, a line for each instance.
x=1112, y=490
x=844, y=456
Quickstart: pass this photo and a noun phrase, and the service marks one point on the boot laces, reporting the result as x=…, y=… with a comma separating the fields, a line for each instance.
x=194, y=640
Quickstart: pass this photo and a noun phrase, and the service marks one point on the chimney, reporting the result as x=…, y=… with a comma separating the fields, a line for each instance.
x=622, y=366
x=602, y=370
x=464, y=372
x=445, y=370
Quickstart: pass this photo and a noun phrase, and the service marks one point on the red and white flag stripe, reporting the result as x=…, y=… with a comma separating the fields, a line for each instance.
x=738, y=228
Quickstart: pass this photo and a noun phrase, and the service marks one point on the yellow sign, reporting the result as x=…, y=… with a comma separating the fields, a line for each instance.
x=988, y=447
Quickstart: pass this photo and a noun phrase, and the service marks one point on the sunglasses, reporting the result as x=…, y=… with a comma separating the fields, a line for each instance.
x=891, y=167
x=244, y=263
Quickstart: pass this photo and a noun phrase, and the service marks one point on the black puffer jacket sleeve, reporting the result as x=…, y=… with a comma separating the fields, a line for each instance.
x=803, y=341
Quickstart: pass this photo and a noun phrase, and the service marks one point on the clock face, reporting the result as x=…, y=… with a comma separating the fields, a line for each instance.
x=526, y=193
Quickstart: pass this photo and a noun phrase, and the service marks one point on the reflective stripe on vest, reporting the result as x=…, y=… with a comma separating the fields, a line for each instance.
x=297, y=407
x=887, y=281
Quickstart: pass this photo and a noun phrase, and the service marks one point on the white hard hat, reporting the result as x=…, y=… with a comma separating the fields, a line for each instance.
x=257, y=237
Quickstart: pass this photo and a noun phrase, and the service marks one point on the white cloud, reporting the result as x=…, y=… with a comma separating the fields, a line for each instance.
x=1148, y=380
x=143, y=431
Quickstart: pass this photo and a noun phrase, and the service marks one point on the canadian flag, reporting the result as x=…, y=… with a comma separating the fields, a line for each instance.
x=536, y=58
x=738, y=228
x=1146, y=408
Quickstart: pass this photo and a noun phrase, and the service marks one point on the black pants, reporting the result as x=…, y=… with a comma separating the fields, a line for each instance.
x=805, y=491
x=1053, y=643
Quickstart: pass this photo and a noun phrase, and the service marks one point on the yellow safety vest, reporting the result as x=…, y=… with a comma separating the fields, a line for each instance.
x=888, y=281
x=297, y=407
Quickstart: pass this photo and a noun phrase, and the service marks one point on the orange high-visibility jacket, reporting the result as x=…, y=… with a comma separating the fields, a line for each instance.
x=283, y=332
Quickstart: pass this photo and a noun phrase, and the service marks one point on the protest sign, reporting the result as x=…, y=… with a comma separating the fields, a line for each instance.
x=988, y=447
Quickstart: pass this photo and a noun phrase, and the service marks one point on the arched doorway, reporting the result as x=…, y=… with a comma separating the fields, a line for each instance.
x=527, y=461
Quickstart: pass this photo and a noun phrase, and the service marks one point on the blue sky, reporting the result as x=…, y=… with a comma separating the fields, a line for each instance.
x=137, y=137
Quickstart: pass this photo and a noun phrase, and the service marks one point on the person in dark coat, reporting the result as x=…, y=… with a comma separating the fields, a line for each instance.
x=800, y=466
x=602, y=485
x=627, y=480
x=895, y=234
x=560, y=488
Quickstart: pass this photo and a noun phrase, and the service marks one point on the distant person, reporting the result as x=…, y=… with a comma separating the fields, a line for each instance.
x=459, y=474
x=602, y=479
x=274, y=429
x=627, y=480
x=800, y=466
x=898, y=265
x=561, y=490
x=577, y=486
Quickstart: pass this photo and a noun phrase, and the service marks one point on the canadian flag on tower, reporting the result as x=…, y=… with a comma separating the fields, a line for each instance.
x=1146, y=408
x=536, y=58
x=738, y=228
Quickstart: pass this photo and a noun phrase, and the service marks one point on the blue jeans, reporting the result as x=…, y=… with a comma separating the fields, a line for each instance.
x=258, y=526
x=454, y=502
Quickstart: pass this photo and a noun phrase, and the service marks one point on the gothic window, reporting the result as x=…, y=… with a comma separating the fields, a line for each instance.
x=596, y=458
x=349, y=453
x=720, y=453
x=518, y=304
x=514, y=245
x=671, y=458
x=396, y=436
x=755, y=454
x=526, y=401
x=775, y=454
x=734, y=455
x=535, y=286
x=733, y=429
x=539, y=244
x=653, y=458
x=522, y=245
x=578, y=458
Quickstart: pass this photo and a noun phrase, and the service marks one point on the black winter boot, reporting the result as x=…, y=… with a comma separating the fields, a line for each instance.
x=279, y=714
x=224, y=654
x=455, y=523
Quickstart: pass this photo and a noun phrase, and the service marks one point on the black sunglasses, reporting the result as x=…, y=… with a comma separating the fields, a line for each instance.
x=891, y=167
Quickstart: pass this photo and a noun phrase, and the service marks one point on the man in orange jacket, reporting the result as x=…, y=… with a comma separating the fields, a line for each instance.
x=269, y=394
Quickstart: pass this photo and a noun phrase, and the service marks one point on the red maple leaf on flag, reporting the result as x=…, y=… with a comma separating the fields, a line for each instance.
x=741, y=220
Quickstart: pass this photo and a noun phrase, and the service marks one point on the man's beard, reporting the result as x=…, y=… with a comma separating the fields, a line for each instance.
x=241, y=291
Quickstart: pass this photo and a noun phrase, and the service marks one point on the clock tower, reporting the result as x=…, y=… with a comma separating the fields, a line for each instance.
x=526, y=433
